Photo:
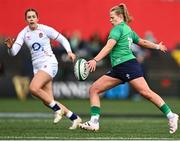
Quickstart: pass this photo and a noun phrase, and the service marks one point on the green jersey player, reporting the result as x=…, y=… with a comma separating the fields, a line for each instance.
x=125, y=68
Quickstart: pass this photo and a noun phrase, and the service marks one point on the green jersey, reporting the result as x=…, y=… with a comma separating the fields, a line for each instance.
x=124, y=37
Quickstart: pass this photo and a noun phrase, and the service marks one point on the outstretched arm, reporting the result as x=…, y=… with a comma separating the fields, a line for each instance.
x=13, y=45
x=105, y=51
x=151, y=45
x=13, y=48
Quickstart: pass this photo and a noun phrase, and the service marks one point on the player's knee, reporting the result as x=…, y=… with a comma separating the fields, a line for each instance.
x=34, y=90
x=94, y=90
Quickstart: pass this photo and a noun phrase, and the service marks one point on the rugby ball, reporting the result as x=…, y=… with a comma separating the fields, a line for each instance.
x=81, y=70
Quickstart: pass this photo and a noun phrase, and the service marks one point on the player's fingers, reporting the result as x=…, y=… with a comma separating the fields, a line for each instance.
x=7, y=41
x=91, y=68
x=73, y=59
x=94, y=68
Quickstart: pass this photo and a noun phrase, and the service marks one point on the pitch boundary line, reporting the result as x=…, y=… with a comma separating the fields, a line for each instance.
x=25, y=115
x=97, y=138
x=49, y=114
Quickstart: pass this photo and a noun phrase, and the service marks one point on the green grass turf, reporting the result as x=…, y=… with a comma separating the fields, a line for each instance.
x=82, y=106
x=120, y=125
x=111, y=128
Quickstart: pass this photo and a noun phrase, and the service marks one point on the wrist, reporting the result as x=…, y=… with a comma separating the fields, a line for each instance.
x=157, y=47
x=69, y=52
x=95, y=60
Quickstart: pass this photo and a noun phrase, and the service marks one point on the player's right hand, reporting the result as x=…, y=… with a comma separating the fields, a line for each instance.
x=9, y=42
x=92, y=65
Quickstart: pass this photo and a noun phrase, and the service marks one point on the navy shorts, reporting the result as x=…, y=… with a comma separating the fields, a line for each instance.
x=126, y=71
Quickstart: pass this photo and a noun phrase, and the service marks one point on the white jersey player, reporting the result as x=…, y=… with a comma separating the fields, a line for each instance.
x=45, y=66
x=38, y=42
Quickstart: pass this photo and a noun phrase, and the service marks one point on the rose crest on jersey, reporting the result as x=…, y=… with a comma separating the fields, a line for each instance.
x=28, y=37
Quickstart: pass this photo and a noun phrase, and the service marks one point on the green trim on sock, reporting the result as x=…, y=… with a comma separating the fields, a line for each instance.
x=95, y=110
x=165, y=109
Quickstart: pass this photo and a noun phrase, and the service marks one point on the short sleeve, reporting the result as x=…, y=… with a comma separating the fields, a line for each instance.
x=50, y=32
x=135, y=37
x=115, y=33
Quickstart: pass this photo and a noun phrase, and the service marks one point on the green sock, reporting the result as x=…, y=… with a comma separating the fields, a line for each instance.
x=95, y=110
x=165, y=109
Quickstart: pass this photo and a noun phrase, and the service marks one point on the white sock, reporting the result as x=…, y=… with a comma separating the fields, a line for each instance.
x=52, y=104
x=170, y=115
x=95, y=119
x=69, y=114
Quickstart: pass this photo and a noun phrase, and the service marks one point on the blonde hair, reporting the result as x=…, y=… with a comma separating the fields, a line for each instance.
x=122, y=9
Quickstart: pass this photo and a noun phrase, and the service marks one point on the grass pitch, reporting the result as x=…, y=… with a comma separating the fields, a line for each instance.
x=120, y=120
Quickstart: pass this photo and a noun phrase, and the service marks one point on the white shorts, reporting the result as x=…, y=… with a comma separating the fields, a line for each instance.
x=48, y=64
x=50, y=68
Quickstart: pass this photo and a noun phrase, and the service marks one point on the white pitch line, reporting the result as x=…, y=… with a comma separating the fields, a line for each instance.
x=25, y=115
x=88, y=139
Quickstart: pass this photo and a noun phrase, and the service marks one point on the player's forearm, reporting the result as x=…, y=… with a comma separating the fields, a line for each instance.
x=148, y=44
x=103, y=53
x=106, y=50
x=14, y=50
x=61, y=39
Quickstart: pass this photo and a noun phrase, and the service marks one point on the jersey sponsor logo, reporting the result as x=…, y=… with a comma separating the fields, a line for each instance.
x=36, y=46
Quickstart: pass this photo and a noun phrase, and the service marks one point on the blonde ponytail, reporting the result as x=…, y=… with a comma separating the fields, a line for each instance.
x=122, y=9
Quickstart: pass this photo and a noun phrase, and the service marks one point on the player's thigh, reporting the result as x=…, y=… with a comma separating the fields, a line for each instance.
x=40, y=79
x=105, y=82
x=139, y=84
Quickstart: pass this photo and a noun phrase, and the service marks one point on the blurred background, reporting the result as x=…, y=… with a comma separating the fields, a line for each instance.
x=86, y=25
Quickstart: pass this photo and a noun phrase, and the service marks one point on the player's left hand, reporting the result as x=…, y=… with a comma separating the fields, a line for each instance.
x=162, y=47
x=72, y=56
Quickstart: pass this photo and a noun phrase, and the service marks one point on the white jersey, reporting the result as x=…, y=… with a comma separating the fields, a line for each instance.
x=38, y=42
